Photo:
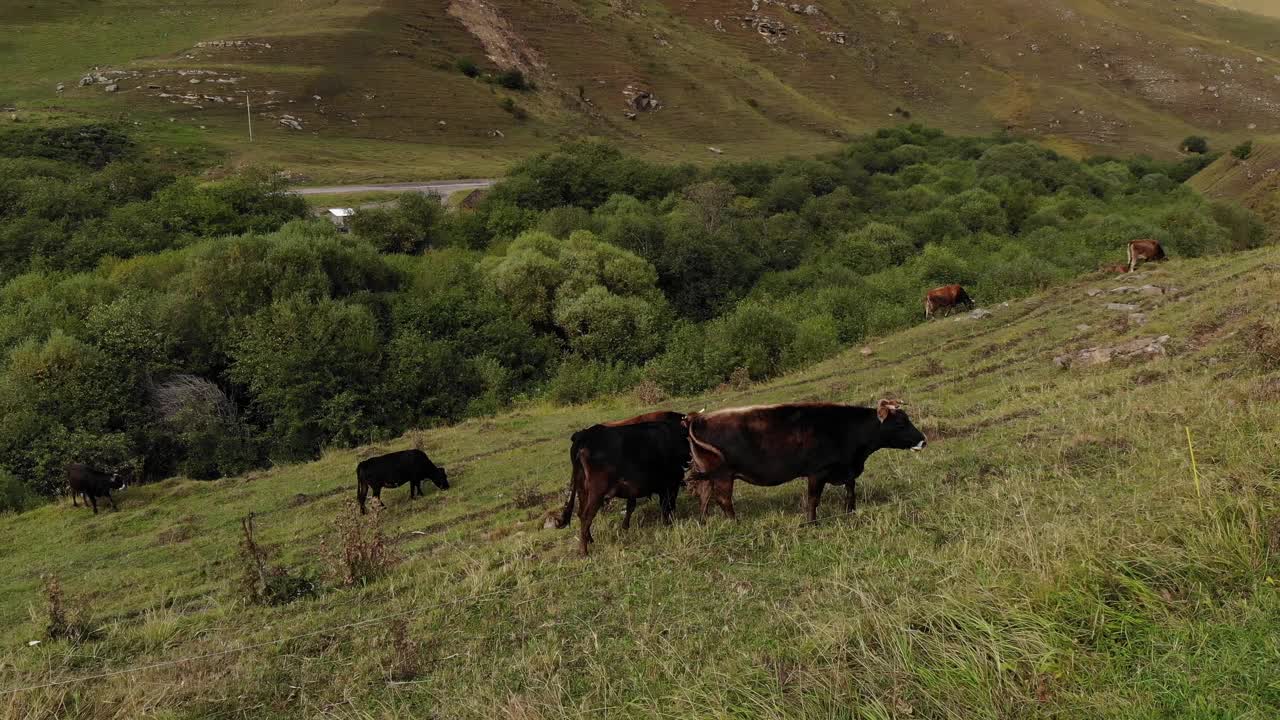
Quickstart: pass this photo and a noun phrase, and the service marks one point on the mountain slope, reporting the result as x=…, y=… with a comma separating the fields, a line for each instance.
x=1052, y=552
x=370, y=89
x=1253, y=182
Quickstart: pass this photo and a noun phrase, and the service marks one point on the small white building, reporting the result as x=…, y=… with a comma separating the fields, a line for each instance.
x=340, y=216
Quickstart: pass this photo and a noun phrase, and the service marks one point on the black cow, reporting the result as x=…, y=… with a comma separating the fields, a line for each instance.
x=92, y=484
x=395, y=469
x=629, y=461
x=773, y=444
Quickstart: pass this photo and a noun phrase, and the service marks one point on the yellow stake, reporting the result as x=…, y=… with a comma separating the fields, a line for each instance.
x=1195, y=471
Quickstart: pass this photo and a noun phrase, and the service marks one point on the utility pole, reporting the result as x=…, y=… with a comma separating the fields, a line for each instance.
x=248, y=113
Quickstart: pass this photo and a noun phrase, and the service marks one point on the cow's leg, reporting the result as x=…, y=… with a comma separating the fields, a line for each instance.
x=415, y=485
x=723, y=489
x=377, y=495
x=850, y=499
x=113, y=501
x=595, y=485
x=94, y=500
x=73, y=500
x=626, y=518
x=816, y=483
x=704, y=496
x=362, y=492
x=668, y=500
x=587, y=515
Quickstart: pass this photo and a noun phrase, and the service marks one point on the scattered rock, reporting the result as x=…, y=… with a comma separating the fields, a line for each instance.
x=715, y=150
x=113, y=87
x=630, y=115
x=1082, y=327
x=833, y=36
x=1151, y=290
x=978, y=314
x=60, y=88
x=1138, y=319
x=234, y=44
x=496, y=134
x=1122, y=307
x=290, y=121
x=1093, y=292
x=1141, y=348
x=866, y=351
x=641, y=100
x=195, y=81
x=441, y=123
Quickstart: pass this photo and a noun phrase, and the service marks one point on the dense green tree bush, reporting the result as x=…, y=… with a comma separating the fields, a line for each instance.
x=582, y=272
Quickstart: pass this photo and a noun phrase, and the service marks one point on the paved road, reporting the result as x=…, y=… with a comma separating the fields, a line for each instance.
x=442, y=187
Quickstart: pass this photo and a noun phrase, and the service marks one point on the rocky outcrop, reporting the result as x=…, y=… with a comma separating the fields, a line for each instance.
x=641, y=100
x=1139, y=349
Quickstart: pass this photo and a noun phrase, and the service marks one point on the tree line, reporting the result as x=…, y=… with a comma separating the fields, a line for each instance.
x=205, y=328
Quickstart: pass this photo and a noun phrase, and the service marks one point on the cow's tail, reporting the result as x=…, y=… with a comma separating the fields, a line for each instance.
x=362, y=489
x=704, y=457
x=575, y=482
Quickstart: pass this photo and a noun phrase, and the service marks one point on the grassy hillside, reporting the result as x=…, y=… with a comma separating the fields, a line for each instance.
x=1050, y=554
x=1253, y=182
x=375, y=93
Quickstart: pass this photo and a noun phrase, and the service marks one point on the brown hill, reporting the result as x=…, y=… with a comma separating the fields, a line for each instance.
x=374, y=90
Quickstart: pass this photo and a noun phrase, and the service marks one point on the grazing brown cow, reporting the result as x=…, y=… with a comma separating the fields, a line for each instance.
x=945, y=298
x=1144, y=251
x=773, y=444
x=629, y=460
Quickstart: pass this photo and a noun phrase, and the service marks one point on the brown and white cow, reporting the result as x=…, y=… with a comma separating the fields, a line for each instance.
x=774, y=444
x=945, y=298
x=1144, y=251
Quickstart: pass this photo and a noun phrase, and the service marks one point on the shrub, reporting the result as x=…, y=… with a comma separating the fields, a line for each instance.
x=265, y=584
x=817, y=338
x=14, y=495
x=754, y=336
x=467, y=66
x=1195, y=144
x=1243, y=150
x=361, y=553
x=515, y=110
x=64, y=621
x=578, y=380
x=649, y=392
x=94, y=145
x=512, y=79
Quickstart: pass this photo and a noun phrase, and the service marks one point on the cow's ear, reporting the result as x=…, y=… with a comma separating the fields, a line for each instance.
x=887, y=408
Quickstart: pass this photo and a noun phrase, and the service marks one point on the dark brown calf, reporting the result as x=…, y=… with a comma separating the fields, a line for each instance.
x=630, y=461
x=1144, y=251
x=945, y=298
